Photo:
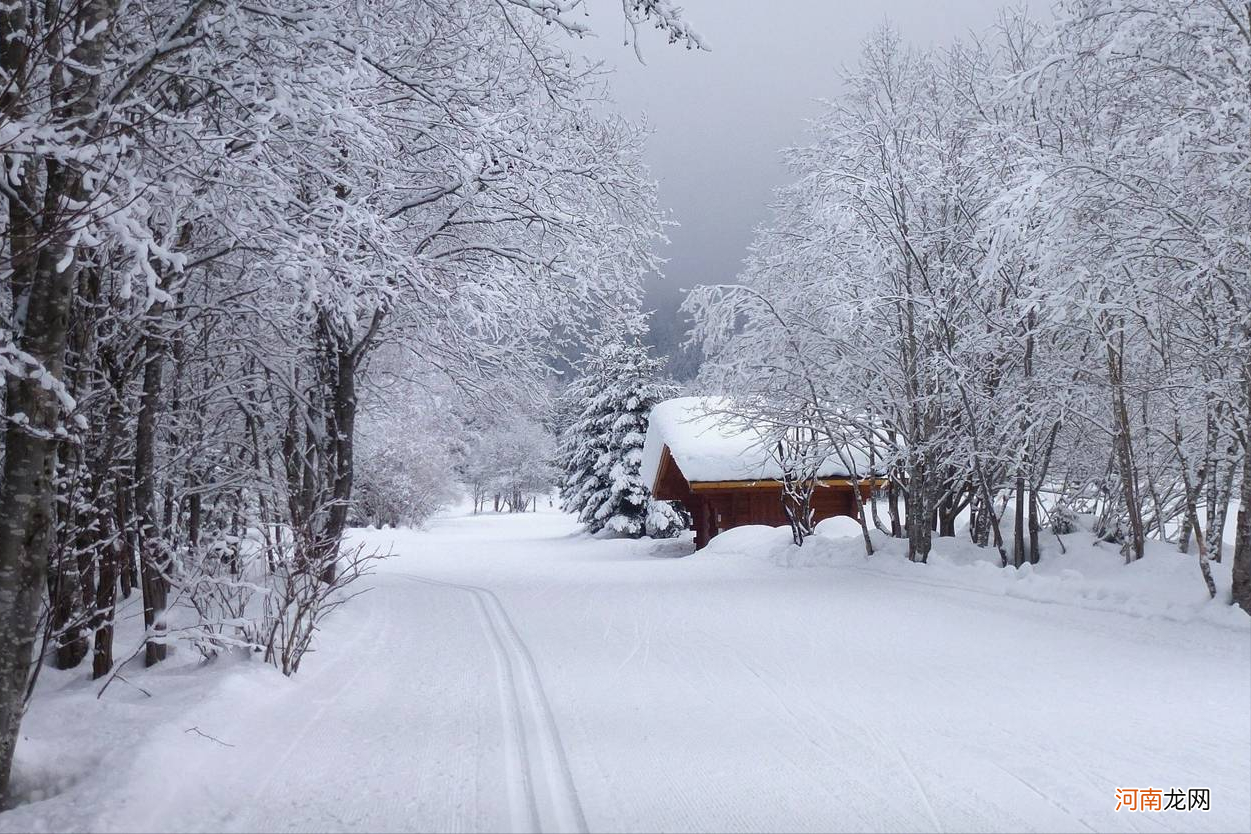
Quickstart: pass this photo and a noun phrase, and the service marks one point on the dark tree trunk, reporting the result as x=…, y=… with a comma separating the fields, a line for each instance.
x=948, y=511
x=30, y=444
x=1018, y=535
x=129, y=547
x=796, y=497
x=195, y=504
x=102, y=617
x=72, y=570
x=340, y=432
x=43, y=271
x=1025, y=493
x=26, y=489
x=1183, y=537
x=857, y=495
x=153, y=553
x=86, y=589
x=979, y=521
x=1192, y=512
x=1123, y=448
x=919, y=511
x=26, y=484
x=1241, y=589
x=1034, y=527
x=1218, y=508
x=892, y=508
x=64, y=592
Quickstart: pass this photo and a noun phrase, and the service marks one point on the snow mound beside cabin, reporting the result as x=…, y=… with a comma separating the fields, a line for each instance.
x=775, y=546
x=1164, y=584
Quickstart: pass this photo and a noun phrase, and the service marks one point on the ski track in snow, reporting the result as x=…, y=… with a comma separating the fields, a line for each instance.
x=505, y=674
x=537, y=759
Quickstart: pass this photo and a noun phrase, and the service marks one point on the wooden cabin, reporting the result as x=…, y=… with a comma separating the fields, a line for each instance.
x=720, y=470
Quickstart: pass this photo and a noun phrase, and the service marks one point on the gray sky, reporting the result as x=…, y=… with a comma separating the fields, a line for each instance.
x=721, y=118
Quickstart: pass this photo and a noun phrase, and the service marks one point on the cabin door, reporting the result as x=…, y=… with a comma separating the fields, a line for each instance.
x=709, y=521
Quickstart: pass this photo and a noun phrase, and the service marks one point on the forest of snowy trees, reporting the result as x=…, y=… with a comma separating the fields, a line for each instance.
x=229, y=228
x=1019, y=270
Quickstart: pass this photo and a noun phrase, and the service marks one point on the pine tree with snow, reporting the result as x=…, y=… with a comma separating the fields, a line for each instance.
x=603, y=446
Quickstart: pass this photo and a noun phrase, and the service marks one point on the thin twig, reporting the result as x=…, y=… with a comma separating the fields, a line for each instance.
x=202, y=734
x=128, y=683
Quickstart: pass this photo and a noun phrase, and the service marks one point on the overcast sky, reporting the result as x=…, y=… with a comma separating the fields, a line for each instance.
x=721, y=118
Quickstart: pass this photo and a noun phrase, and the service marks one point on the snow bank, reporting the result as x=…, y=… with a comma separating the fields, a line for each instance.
x=754, y=541
x=95, y=763
x=1164, y=584
x=775, y=546
x=710, y=444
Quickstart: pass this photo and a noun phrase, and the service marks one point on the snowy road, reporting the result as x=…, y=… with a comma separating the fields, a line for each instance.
x=507, y=674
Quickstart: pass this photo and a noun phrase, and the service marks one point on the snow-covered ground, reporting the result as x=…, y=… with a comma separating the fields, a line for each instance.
x=509, y=673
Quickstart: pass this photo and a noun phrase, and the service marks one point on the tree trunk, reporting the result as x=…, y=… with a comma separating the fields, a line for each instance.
x=1034, y=527
x=979, y=520
x=153, y=554
x=26, y=490
x=30, y=444
x=1241, y=590
x=949, y=508
x=1218, y=509
x=892, y=508
x=1190, y=503
x=1192, y=512
x=1241, y=595
x=195, y=504
x=1122, y=446
x=1183, y=537
x=106, y=599
x=65, y=595
x=858, y=497
x=1018, y=535
x=340, y=432
x=42, y=269
x=1029, y=461
x=126, y=529
x=71, y=589
x=919, y=510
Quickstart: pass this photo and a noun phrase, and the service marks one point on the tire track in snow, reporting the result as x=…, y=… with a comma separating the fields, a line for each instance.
x=537, y=762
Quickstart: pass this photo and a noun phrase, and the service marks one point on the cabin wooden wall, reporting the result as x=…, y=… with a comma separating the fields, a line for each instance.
x=716, y=510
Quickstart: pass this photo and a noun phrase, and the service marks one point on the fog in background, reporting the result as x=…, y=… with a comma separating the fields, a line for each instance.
x=720, y=119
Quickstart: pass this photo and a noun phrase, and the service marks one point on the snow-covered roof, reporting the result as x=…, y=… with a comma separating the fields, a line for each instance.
x=708, y=444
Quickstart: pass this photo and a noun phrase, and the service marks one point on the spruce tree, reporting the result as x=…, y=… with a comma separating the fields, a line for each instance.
x=603, y=446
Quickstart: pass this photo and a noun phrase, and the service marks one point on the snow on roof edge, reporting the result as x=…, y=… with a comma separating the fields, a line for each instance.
x=705, y=443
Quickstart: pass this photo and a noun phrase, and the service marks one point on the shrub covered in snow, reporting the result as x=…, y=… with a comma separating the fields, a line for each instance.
x=1064, y=519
